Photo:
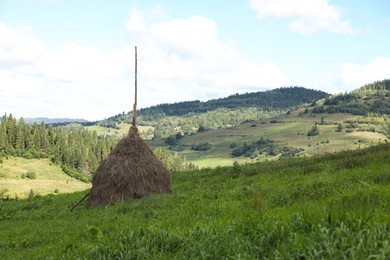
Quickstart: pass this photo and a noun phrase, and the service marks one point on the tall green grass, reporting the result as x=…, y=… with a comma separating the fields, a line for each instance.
x=334, y=206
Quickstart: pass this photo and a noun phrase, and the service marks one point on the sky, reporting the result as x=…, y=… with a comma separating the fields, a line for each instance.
x=75, y=59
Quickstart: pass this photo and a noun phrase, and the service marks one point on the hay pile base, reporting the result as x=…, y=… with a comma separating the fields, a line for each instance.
x=130, y=171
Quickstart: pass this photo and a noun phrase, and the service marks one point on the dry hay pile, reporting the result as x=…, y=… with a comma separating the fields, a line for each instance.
x=130, y=171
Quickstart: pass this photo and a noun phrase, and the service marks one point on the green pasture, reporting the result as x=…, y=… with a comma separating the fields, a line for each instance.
x=335, y=206
x=116, y=133
x=290, y=130
x=45, y=178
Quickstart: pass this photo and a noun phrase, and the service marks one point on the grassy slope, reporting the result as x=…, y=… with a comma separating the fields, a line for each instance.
x=49, y=177
x=333, y=206
x=291, y=131
x=116, y=133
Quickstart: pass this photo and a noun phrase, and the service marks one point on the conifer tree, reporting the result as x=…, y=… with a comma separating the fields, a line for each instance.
x=21, y=135
x=11, y=131
x=3, y=135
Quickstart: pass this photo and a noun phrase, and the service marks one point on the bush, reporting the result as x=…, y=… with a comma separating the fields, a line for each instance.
x=201, y=129
x=171, y=140
x=31, y=175
x=233, y=145
x=31, y=194
x=339, y=128
x=313, y=131
x=201, y=147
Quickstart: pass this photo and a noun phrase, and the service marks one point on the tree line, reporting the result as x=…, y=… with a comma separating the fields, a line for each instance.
x=78, y=152
x=271, y=100
x=281, y=98
x=74, y=148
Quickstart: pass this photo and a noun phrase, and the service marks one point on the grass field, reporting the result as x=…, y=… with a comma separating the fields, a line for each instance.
x=117, y=133
x=290, y=130
x=335, y=206
x=47, y=178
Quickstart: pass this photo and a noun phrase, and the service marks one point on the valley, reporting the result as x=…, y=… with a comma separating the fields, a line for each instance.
x=287, y=129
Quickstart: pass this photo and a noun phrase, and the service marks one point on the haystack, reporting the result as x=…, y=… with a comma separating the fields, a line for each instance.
x=130, y=171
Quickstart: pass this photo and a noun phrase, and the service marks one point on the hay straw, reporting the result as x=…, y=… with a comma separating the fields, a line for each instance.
x=130, y=171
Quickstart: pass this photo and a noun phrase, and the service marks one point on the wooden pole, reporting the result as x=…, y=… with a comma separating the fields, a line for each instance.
x=80, y=201
x=135, y=94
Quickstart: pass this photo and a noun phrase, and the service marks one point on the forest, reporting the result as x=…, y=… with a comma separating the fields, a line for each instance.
x=78, y=152
x=188, y=117
x=271, y=100
x=371, y=98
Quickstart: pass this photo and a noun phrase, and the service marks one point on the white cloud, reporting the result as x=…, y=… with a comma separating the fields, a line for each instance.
x=182, y=59
x=356, y=75
x=79, y=63
x=19, y=46
x=186, y=59
x=307, y=16
x=77, y=81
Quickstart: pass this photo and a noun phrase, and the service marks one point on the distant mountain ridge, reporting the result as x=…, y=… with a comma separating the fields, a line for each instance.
x=270, y=100
x=31, y=120
x=276, y=99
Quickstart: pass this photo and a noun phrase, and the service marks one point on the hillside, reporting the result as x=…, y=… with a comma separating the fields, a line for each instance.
x=370, y=99
x=271, y=100
x=289, y=130
x=277, y=99
x=20, y=177
x=214, y=138
x=328, y=207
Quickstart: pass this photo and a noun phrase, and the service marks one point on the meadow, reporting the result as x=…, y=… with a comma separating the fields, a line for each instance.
x=290, y=130
x=330, y=206
x=20, y=177
x=119, y=132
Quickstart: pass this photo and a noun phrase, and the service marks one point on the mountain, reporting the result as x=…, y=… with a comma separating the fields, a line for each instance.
x=372, y=98
x=281, y=98
x=271, y=100
x=31, y=120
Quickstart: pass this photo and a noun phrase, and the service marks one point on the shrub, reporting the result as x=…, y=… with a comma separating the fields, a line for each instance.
x=171, y=140
x=313, y=131
x=201, y=129
x=31, y=175
x=201, y=147
x=339, y=128
x=233, y=145
x=31, y=195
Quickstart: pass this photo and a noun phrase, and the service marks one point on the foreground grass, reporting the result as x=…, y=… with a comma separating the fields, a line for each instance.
x=334, y=206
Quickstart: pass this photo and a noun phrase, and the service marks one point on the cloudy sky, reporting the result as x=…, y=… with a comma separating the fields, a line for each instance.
x=71, y=58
